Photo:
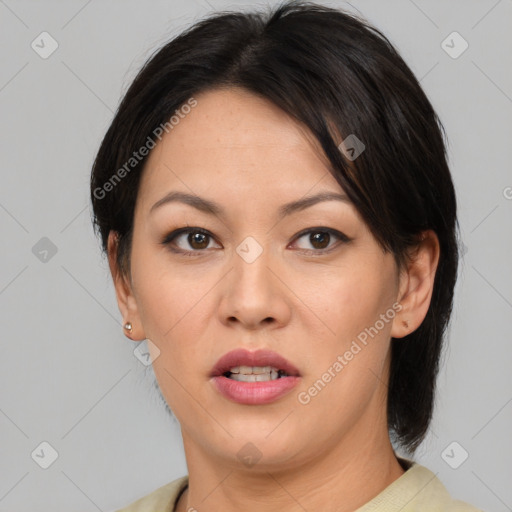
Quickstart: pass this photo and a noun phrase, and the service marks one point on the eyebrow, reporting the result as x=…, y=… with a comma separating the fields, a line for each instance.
x=212, y=208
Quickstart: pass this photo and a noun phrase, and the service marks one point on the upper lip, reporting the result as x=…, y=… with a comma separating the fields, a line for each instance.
x=242, y=357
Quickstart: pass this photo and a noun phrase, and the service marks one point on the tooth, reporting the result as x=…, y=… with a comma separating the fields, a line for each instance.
x=241, y=377
x=262, y=377
x=258, y=370
x=252, y=373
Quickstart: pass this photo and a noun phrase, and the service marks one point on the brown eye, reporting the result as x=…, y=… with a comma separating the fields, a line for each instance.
x=321, y=240
x=188, y=240
x=198, y=240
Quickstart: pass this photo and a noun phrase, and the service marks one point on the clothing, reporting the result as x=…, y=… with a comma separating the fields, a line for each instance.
x=163, y=499
x=417, y=490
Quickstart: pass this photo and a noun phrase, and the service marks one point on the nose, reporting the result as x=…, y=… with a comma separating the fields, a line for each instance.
x=254, y=295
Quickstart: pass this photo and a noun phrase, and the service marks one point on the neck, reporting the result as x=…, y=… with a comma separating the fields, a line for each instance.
x=341, y=480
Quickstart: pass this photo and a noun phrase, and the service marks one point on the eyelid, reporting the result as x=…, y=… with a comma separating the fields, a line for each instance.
x=180, y=231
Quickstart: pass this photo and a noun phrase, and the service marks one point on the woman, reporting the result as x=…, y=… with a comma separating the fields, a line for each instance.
x=280, y=222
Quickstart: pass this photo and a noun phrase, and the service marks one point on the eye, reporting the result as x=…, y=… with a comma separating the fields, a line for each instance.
x=192, y=241
x=183, y=239
x=321, y=240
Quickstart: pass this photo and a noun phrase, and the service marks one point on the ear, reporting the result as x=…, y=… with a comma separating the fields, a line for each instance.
x=416, y=285
x=124, y=293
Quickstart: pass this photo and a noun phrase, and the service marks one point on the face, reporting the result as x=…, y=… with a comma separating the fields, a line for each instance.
x=309, y=283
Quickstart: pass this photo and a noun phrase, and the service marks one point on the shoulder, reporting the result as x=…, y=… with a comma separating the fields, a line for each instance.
x=417, y=490
x=430, y=493
x=162, y=499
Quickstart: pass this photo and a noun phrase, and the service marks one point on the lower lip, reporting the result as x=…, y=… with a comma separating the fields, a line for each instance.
x=254, y=393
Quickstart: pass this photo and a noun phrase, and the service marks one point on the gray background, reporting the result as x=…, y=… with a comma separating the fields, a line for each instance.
x=68, y=375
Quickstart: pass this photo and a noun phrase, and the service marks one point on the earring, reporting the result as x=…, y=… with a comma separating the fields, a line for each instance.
x=128, y=327
x=406, y=324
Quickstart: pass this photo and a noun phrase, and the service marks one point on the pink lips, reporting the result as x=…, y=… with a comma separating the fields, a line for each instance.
x=254, y=393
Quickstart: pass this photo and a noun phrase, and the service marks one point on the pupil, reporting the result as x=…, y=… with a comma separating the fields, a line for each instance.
x=321, y=238
x=198, y=240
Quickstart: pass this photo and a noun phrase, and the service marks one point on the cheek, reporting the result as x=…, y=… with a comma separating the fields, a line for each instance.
x=350, y=301
x=346, y=372
x=171, y=303
x=175, y=308
x=348, y=298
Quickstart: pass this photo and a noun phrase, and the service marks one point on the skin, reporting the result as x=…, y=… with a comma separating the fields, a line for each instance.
x=249, y=157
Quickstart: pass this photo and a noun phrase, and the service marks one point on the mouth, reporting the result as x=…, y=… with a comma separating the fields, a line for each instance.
x=259, y=366
x=254, y=378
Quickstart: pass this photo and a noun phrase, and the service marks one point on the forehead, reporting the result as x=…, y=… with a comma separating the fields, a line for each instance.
x=233, y=141
x=240, y=118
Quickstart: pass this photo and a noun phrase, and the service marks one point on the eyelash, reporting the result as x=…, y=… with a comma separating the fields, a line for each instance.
x=168, y=239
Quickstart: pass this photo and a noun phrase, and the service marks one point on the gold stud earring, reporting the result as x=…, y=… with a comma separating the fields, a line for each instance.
x=128, y=327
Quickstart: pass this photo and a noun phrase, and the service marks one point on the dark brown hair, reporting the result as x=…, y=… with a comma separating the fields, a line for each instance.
x=338, y=76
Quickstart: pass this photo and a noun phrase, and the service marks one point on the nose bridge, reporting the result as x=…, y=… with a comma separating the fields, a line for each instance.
x=251, y=273
x=253, y=295
x=250, y=250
